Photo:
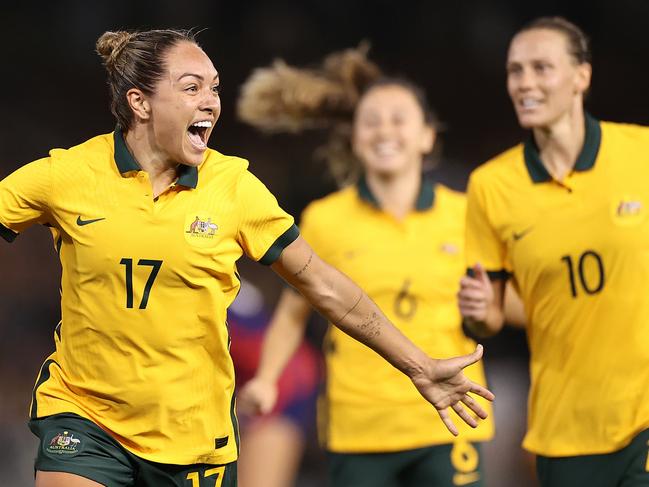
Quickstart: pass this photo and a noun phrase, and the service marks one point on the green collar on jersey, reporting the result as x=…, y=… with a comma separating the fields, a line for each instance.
x=187, y=175
x=585, y=161
x=425, y=199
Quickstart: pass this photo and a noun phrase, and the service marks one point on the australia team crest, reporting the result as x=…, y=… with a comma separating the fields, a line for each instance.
x=628, y=210
x=63, y=443
x=200, y=229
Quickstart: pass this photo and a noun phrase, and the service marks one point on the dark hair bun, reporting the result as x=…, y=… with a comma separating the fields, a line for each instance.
x=110, y=45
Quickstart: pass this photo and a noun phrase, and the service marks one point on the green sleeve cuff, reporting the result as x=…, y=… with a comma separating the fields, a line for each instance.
x=7, y=234
x=501, y=275
x=283, y=241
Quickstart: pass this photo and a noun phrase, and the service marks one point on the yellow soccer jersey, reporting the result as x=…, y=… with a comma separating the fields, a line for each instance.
x=143, y=346
x=411, y=269
x=578, y=251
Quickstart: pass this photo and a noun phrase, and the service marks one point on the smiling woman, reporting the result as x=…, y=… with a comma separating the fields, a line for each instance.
x=149, y=224
x=167, y=109
x=396, y=215
x=564, y=215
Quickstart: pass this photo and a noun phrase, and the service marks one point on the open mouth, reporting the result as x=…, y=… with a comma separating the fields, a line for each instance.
x=386, y=149
x=197, y=133
x=529, y=103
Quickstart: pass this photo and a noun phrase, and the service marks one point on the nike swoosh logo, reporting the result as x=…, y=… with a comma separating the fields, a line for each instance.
x=81, y=222
x=519, y=235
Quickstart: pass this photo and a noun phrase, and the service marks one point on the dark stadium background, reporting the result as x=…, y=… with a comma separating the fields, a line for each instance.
x=53, y=94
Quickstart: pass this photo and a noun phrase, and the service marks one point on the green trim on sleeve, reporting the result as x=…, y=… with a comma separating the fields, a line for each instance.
x=8, y=234
x=283, y=241
x=501, y=275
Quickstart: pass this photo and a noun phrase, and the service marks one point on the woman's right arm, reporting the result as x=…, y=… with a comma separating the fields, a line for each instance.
x=481, y=297
x=281, y=340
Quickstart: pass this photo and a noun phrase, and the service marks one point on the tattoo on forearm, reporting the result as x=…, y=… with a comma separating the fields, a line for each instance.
x=350, y=309
x=306, y=266
x=370, y=327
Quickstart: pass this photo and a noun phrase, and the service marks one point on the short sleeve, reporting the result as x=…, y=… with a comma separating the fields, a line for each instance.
x=483, y=244
x=264, y=229
x=24, y=197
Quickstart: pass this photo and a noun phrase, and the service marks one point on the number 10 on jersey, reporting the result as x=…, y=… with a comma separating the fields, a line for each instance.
x=592, y=284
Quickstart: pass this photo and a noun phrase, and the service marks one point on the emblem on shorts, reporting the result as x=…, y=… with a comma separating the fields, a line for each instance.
x=200, y=228
x=64, y=444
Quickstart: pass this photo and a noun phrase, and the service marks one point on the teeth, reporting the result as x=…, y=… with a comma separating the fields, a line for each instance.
x=386, y=149
x=203, y=124
x=529, y=103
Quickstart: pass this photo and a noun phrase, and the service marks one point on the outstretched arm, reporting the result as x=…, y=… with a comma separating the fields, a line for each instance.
x=345, y=305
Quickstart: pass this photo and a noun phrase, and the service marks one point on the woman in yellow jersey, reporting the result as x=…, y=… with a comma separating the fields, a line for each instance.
x=148, y=224
x=564, y=215
x=400, y=236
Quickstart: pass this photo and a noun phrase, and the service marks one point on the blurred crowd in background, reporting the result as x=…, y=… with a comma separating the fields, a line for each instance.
x=54, y=95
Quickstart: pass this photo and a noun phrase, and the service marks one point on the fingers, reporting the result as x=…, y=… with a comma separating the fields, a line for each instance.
x=477, y=310
x=248, y=403
x=466, y=360
x=443, y=413
x=257, y=397
x=482, y=391
x=466, y=417
x=474, y=406
x=473, y=299
x=266, y=402
x=247, y=406
x=480, y=273
x=479, y=281
x=472, y=294
x=467, y=282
